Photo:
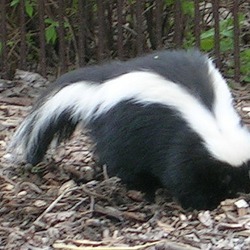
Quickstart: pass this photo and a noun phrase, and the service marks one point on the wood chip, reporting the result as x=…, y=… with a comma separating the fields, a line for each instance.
x=205, y=218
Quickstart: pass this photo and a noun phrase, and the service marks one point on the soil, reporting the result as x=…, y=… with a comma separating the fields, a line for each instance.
x=69, y=202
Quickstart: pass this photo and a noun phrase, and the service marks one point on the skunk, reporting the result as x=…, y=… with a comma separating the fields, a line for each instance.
x=164, y=119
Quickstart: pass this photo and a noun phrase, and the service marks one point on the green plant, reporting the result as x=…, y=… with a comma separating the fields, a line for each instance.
x=50, y=31
x=29, y=6
x=226, y=36
x=187, y=7
x=245, y=65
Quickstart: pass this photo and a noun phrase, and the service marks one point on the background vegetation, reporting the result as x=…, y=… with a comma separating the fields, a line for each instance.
x=130, y=20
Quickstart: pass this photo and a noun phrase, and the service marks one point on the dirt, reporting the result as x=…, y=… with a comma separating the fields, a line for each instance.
x=69, y=202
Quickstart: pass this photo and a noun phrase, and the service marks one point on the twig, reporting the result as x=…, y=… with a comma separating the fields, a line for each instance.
x=105, y=172
x=90, y=193
x=53, y=204
x=109, y=211
x=31, y=185
x=167, y=245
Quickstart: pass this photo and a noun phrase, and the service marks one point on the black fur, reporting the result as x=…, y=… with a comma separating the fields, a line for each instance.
x=152, y=146
x=59, y=128
x=188, y=69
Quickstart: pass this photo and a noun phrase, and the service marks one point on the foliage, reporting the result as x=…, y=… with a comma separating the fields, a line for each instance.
x=29, y=6
x=245, y=64
x=188, y=8
x=226, y=35
x=71, y=28
x=226, y=41
x=50, y=31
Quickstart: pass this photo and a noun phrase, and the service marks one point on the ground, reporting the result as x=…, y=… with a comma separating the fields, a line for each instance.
x=69, y=202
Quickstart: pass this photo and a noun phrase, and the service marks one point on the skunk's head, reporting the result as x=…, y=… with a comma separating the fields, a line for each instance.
x=205, y=183
x=168, y=115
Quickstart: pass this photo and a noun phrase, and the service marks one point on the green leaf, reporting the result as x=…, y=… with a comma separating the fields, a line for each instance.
x=227, y=33
x=14, y=3
x=50, y=31
x=246, y=79
x=245, y=54
x=226, y=44
x=169, y=2
x=29, y=8
x=66, y=24
x=207, y=44
x=131, y=1
x=207, y=34
x=188, y=8
x=51, y=22
x=50, y=34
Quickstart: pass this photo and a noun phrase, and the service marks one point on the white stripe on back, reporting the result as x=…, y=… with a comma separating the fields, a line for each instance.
x=220, y=130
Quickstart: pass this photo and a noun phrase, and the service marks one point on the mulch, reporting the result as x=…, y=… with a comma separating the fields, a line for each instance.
x=69, y=201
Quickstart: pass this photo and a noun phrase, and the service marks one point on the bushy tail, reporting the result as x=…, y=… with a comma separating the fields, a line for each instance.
x=55, y=116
